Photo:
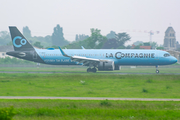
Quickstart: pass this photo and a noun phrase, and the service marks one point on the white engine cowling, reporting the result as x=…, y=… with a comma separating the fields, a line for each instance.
x=106, y=66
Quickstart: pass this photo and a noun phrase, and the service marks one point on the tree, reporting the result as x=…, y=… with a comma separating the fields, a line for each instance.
x=128, y=47
x=110, y=44
x=111, y=35
x=117, y=42
x=58, y=37
x=38, y=44
x=5, y=38
x=160, y=48
x=26, y=32
x=45, y=41
x=96, y=40
x=138, y=42
x=137, y=46
x=122, y=38
x=146, y=44
x=154, y=45
x=81, y=37
x=76, y=37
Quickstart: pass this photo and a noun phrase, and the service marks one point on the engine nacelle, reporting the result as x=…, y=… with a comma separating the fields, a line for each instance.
x=106, y=66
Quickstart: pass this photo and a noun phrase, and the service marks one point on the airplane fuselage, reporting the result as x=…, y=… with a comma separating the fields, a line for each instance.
x=119, y=56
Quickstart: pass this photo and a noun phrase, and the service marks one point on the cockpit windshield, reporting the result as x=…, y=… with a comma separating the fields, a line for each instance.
x=166, y=55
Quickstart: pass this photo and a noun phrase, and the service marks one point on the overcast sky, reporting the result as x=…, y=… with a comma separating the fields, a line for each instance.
x=79, y=16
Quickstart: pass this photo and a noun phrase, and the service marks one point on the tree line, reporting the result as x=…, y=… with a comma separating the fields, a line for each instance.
x=96, y=40
x=56, y=39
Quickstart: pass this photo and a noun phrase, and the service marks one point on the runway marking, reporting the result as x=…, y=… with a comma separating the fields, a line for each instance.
x=89, y=98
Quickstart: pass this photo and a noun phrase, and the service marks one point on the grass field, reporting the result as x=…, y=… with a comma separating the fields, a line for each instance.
x=92, y=110
x=90, y=85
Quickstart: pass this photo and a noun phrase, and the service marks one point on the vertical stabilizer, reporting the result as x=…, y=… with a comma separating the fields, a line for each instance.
x=20, y=43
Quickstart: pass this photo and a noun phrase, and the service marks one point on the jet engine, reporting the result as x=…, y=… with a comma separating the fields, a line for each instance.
x=106, y=66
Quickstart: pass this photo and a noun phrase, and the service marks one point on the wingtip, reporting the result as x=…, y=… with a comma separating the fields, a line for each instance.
x=61, y=50
x=12, y=27
x=63, y=53
x=82, y=47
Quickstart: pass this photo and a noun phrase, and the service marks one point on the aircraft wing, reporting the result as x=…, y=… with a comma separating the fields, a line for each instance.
x=86, y=61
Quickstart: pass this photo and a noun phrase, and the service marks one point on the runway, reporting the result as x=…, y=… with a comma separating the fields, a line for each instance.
x=11, y=72
x=89, y=98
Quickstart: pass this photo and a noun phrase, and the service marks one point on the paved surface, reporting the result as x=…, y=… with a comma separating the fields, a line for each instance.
x=10, y=72
x=87, y=98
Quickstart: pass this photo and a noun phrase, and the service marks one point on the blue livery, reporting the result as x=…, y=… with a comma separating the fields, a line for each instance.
x=101, y=59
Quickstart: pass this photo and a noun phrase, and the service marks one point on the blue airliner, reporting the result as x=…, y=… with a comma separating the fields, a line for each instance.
x=101, y=59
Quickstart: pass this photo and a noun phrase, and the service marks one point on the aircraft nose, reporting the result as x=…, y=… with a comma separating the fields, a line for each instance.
x=173, y=60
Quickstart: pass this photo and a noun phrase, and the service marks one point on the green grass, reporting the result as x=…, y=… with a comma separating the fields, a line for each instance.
x=90, y=85
x=93, y=110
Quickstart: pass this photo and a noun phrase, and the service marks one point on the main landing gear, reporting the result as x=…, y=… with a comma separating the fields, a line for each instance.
x=92, y=70
x=157, y=71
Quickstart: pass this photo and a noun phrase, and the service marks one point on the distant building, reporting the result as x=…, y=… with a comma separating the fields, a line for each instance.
x=177, y=46
x=170, y=39
x=145, y=47
x=141, y=47
x=4, y=49
x=133, y=46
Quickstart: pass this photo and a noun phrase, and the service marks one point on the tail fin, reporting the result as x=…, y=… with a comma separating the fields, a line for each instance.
x=20, y=43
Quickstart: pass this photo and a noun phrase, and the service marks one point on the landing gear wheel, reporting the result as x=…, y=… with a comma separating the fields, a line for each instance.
x=89, y=70
x=157, y=71
x=94, y=70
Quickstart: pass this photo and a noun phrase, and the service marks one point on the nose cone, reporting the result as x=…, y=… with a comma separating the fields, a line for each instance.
x=173, y=60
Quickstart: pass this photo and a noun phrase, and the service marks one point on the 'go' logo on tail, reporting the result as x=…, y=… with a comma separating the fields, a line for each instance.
x=22, y=41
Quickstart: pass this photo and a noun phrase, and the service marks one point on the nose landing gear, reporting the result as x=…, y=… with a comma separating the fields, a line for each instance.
x=157, y=71
x=92, y=70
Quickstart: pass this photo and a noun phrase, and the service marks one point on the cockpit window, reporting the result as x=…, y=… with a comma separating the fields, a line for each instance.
x=166, y=55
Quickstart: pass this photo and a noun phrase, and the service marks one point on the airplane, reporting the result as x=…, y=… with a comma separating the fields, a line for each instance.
x=95, y=59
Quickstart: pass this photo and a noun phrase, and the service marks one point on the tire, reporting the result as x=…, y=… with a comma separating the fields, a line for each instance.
x=157, y=71
x=89, y=70
x=94, y=70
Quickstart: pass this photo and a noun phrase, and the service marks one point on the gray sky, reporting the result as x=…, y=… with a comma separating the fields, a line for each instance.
x=79, y=16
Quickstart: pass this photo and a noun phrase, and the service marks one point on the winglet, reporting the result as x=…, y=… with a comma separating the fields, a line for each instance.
x=63, y=53
x=82, y=47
